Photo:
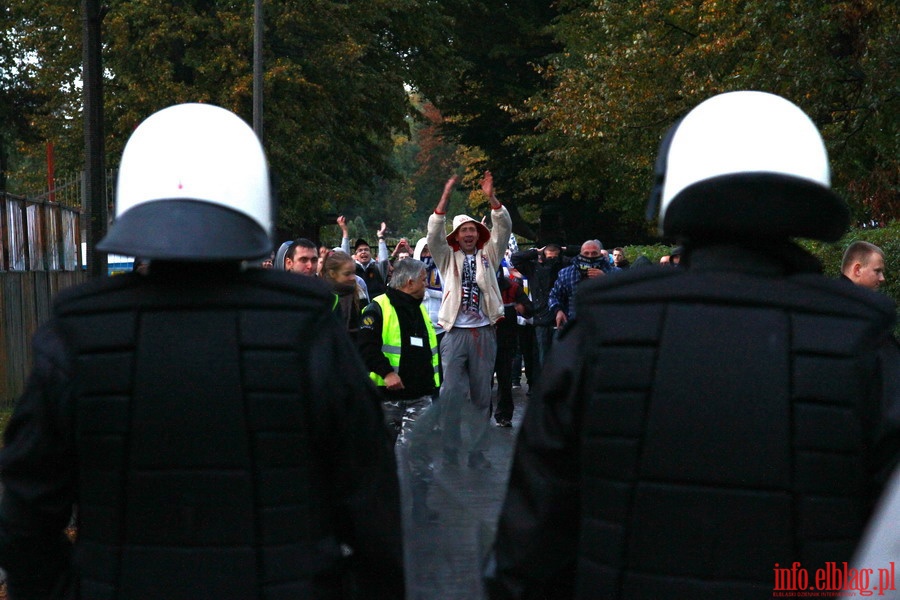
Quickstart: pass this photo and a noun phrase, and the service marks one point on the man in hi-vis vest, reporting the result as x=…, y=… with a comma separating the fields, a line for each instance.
x=399, y=346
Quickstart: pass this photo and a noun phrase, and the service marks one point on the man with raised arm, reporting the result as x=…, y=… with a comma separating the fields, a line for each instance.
x=468, y=259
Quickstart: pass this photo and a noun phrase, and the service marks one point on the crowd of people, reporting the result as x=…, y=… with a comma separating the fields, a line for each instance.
x=229, y=432
x=537, y=289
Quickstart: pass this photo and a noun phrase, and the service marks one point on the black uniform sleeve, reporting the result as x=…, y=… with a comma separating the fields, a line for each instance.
x=362, y=469
x=534, y=555
x=525, y=261
x=38, y=477
x=369, y=341
x=887, y=434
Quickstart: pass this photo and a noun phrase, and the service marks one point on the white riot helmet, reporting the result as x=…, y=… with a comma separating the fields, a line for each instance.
x=193, y=185
x=746, y=164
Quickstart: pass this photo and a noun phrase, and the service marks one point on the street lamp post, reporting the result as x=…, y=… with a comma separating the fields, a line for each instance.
x=94, y=181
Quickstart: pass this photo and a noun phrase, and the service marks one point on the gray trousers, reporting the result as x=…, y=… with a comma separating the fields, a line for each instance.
x=468, y=356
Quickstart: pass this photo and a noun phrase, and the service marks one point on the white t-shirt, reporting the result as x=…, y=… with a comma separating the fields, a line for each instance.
x=470, y=314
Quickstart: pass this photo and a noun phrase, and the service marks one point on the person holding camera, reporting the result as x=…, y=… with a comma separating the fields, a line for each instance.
x=589, y=263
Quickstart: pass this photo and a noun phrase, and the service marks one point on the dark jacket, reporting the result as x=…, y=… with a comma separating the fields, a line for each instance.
x=215, y=438
x=541, y=276
x=512, y=293
x=375, y=274
x=697, y=426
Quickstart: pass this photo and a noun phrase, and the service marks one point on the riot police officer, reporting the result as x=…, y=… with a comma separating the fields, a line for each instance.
x=699, y=427
x=193, y=414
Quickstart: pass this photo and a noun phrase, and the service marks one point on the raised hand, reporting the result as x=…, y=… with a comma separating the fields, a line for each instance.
x=487, y=185
x=445, y=197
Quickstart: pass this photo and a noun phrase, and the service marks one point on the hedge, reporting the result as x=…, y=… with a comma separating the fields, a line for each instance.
x=887, y=238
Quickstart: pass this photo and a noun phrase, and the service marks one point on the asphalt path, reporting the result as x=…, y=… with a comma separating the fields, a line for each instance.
x=443, y=559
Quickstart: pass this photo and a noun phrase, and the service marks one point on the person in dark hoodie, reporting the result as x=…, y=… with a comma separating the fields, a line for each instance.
x=541, y=267
x=701, y=431
x=515, y=303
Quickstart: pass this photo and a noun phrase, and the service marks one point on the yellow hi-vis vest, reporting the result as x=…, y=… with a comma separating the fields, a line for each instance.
x=391, y=341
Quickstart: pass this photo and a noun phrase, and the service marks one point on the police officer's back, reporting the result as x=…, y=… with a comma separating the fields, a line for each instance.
x=193, y=415
x=700, y=428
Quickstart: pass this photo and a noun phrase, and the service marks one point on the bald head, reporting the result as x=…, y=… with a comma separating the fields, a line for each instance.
x=591, y=249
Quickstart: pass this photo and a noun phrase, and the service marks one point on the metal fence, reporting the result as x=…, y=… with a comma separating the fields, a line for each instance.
x=40, y=254
x=44, y=232
x=26, y=298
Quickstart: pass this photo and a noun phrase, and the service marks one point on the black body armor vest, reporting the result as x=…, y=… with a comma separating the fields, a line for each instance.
x=727, y=426
x=199, y=441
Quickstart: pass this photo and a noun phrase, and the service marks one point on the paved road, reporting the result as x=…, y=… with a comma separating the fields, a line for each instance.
x=444, y=559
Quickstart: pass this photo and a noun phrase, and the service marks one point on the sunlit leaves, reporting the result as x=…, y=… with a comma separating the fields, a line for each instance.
x=334, y=80
x=629, y=69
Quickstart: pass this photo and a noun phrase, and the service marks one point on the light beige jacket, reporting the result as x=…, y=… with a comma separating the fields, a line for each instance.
x=487, y=261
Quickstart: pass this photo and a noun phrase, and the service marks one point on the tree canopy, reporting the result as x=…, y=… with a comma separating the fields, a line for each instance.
x=369, y=106
x=630, y=69
x=335, y=75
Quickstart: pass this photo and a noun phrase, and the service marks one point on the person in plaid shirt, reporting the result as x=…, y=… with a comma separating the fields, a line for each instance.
x=590, y=263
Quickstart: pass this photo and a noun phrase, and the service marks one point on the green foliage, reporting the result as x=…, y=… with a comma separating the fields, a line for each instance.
x=423, y=160
x=629, y=70
x=886, y=238
x=830, y=255
x=34, y=93
x=19, y=98
x=334, y=85
x=653, y=252
x=498, y=45
x=564, y=101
